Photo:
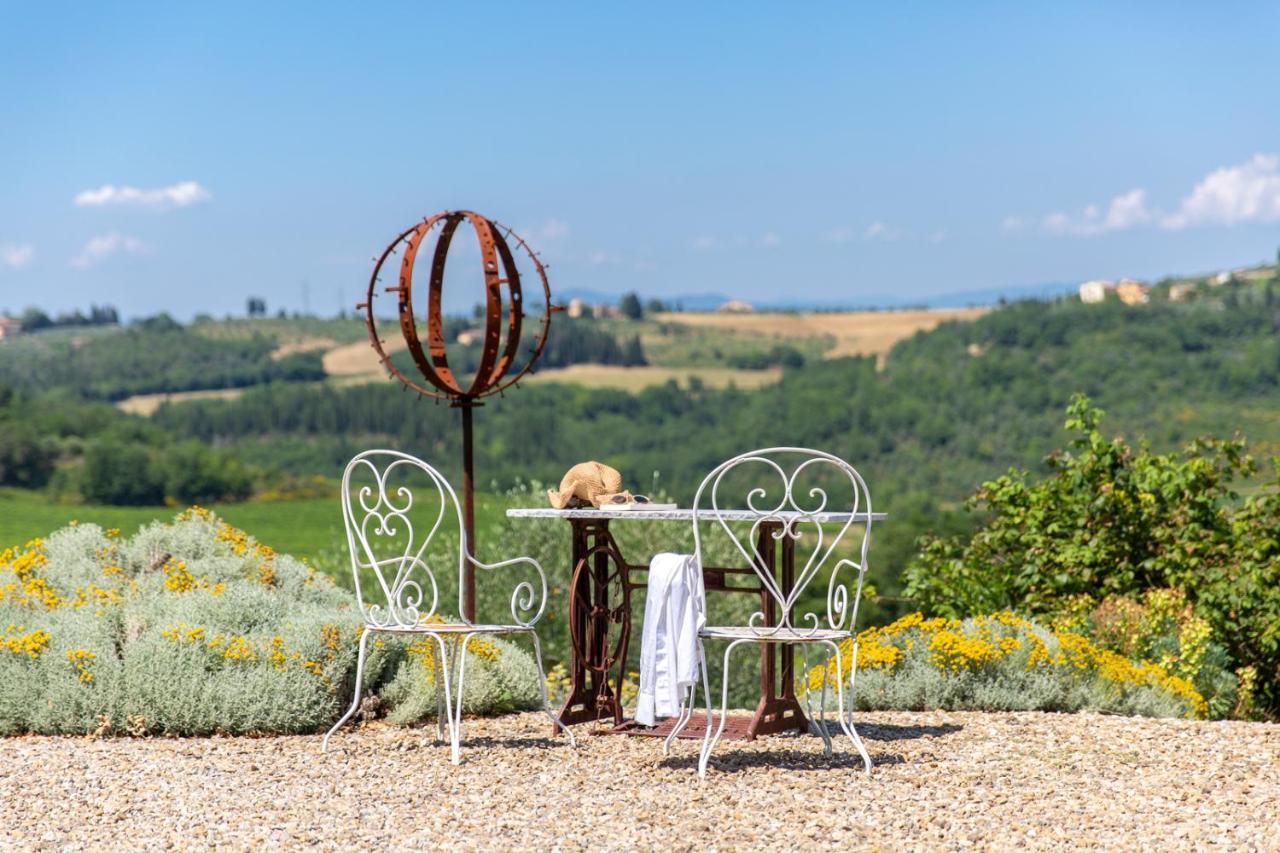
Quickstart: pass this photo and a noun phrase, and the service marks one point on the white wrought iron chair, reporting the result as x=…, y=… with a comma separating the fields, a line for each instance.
x=778, y=503
x=384, y=541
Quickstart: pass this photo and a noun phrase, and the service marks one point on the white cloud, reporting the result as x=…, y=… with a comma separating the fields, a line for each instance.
x=181, y=194
x=1249, y=192
x=1127, y=210
x=938, y=236
x=104, y=246
x=703, y=243
x=1123, y=212
x=1011, y=224
x=1230, y=195
x=769, y=240
x=879, y=231
x=16, y=256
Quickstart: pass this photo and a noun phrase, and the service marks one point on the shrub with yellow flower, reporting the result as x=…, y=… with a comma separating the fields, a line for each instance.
x=194, y=627
x=1001, y=661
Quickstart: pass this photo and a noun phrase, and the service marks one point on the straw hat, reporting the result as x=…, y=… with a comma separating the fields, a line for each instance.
x=589, y=482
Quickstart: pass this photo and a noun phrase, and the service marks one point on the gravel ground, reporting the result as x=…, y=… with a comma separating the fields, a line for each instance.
x=942, y=780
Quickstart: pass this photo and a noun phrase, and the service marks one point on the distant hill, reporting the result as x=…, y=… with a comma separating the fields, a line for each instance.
x=709, y=301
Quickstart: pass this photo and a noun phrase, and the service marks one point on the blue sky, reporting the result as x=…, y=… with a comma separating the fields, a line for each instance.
x=181, y=158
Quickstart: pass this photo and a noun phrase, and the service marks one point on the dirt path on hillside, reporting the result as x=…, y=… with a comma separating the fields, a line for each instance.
x=855, y=332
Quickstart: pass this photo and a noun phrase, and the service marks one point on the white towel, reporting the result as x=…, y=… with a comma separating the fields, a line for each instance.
x=673, y=612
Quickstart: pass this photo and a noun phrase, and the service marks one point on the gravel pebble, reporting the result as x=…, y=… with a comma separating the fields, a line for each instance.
x=942, y=780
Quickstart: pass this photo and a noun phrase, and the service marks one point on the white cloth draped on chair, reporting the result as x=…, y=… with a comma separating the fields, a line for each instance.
x=674, y=611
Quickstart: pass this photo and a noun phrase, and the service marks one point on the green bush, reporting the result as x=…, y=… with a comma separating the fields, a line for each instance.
x=1161, y=626
x=27, y=458
x=779, y=355
x=193, y=474
x=194, y=628
x=121, y=474
x=124, y=472
x=1110, y=519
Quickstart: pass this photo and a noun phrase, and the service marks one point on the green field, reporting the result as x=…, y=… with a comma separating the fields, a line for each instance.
x=309, y=527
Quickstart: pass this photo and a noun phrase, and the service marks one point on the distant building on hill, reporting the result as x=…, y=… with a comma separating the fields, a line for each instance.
x=579, y=307
x=1181, y=290
x=1132, y=292
x=1221, y=278
x=9, y=327
x=736, y=306
x=470, y=336
x=1095, y=290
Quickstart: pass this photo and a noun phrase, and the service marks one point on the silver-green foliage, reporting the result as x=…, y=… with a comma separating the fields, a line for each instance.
x=999, y=663
x=193, y=628
x=915, y=685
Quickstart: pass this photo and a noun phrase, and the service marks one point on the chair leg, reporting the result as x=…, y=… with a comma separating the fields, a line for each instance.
x=443, y=655
x=542, y=682
x=826, y=679
x=846, y=719
x=687, y=707
x=355, y=700
x=460, y=661
x=682, y=719
x=708, y=741
x=821, y=723
x=706, y=690
x=442, y=706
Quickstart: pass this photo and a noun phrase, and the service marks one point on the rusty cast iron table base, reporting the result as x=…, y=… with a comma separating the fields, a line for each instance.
x=600, y=630
x=736, y=727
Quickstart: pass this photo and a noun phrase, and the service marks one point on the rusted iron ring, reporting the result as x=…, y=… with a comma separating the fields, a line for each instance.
x=497, y=370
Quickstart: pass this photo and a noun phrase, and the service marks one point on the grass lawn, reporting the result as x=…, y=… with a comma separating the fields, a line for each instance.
x=308, y=527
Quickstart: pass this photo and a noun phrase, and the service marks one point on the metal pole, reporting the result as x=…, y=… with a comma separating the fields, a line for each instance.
x=468, y=515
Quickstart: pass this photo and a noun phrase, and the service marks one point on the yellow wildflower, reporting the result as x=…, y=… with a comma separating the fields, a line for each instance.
x=239, y=649
x=30, y=644
x=81, y=661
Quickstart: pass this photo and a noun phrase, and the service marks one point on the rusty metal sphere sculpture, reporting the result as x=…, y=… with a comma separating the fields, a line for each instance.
x=498, y=368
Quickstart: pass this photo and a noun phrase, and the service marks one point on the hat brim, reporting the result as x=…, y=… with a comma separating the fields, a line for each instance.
x=559, y=500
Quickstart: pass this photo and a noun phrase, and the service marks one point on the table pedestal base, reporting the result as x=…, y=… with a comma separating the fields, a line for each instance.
x=600, y=630
x=736, y=727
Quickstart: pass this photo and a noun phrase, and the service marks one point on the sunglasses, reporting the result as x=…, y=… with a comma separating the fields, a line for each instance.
x=624, y=499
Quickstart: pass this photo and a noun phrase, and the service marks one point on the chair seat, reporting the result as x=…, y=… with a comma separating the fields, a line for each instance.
x=772, y=635
x=446, y=628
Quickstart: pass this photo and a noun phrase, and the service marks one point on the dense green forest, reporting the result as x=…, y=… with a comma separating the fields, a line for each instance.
x=949, y=407
x=159, y=355
x=150, y=356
